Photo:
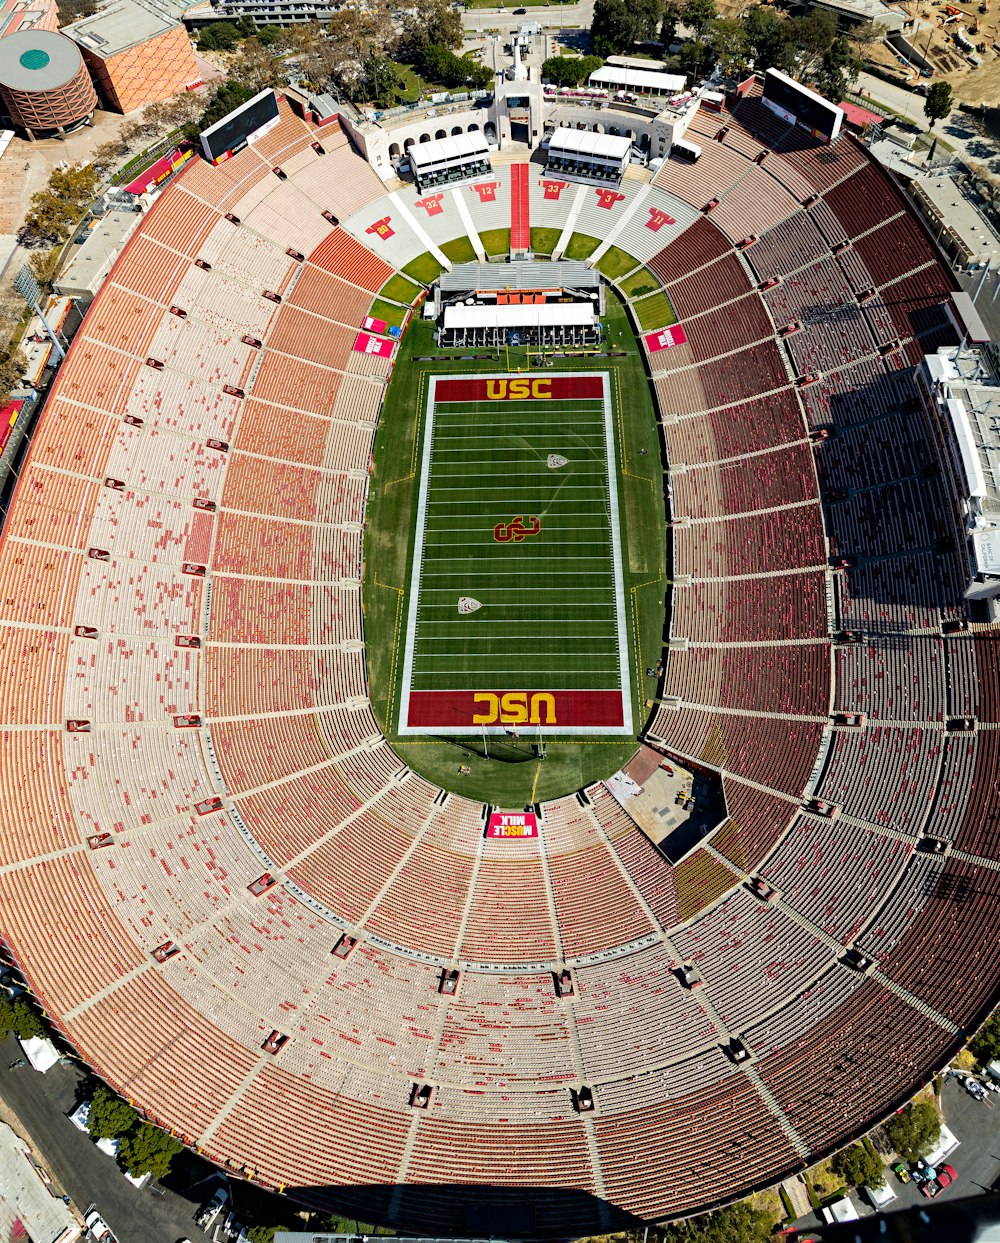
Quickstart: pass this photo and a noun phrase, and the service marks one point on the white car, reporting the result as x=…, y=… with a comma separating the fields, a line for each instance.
x=98, y=1227
x=975, y=1088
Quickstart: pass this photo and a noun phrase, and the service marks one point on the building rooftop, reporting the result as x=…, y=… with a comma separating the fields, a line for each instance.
x=123, y=24
x=638, y=79
x=967, y=385
x=522, y=275
x=93, y=260
x=949, y=209
x=38, y=60
x=25, y=1198
x=586, y=142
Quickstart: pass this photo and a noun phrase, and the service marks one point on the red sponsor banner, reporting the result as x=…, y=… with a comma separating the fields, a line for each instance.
x=161, y=170
x=471, y=711
x=665, y=338
x=374, y=325
x=8, y=417
x=520, y=388
x=365, y=344
x=512, y=824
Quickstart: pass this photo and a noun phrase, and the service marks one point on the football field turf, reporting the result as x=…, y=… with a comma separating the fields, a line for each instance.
x=516, y=612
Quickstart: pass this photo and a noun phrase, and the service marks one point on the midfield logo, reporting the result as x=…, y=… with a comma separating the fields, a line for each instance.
x=513, y=390
x=515, y=530
x=514, y=708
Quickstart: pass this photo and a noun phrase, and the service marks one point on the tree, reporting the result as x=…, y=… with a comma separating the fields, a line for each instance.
x=668, y=25
x=270, y=35
x=814, y=35
x=110, y=1116
x=255, y=67
x=618, y=24
x=17, y=1015
x=441, y=65
x=938, y=103
x=739, y=1223
x=261, y=1234
x=219, y=37
x=380, y=81
x=148, y=1150
x=859, y=1166
x=986, y=1045
x=430, y=21
x=13, y=365
x=837, y=70
x=768, y=39
x=246, y=26
x=915, y=1131
x=728, y=41
x=570, y=70
x=696, y=58
x=698, y=14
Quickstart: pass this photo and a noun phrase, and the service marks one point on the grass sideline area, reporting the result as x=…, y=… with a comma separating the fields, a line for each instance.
x=425, y=268
x=495, y=241
x=639, y=283
x=459, y=250
x=654, y=312
x=543, y=241
x=616, y=262
x=581, y=246
x=511, y=778
x=398, y=289
x=388, y=311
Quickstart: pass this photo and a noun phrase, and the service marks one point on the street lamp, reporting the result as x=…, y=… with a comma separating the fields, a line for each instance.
x=27, y=287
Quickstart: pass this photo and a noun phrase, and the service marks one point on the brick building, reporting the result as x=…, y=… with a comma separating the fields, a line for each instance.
x=137, y=54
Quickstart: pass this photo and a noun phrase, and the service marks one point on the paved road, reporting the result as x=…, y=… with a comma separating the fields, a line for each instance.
x=42, y=1102
x=550, y=15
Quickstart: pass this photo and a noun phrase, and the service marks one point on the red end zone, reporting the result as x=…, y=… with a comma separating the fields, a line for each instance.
x=471, y=711
x=521, y=388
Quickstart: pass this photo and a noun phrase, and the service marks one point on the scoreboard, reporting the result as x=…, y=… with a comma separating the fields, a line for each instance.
x=798, y=104
x=243, y=125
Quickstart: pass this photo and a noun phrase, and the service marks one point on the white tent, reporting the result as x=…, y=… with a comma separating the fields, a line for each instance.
x=549, y=315
x=40, y=1052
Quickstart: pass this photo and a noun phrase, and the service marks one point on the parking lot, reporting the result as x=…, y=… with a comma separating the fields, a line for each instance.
x=976, y=1160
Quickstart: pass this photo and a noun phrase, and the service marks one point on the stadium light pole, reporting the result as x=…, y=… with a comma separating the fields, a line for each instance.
x=27, y=287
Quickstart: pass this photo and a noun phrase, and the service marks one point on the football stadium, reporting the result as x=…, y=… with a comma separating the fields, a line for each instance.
x=510, y=747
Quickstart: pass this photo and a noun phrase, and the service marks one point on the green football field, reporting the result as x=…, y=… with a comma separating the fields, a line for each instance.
x=510, y=775
x=517, y=517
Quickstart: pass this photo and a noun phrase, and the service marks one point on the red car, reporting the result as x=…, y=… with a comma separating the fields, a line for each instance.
x=946, y=1176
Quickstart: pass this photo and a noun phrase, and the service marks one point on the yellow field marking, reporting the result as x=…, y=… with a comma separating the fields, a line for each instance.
x=534, y=784
x=635, y=629
x=395, y=649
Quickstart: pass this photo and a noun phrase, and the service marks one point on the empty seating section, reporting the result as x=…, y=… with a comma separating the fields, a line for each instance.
x=860, y=1058
x=282, y=766
x=865, y=200
x=775, y=610
x=736, y=430
x=757, y=820
x=750, y=955
x=786, y=247
x=730, y=328
x=789, y=680
x=709, y=287
x=791, y=539
x=884, y=774
x=730, y=742
x=897, y=677
x=784, y=477
x=864, y=862
x=664, y=1021
x=693, y=249
x=728, y=1118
